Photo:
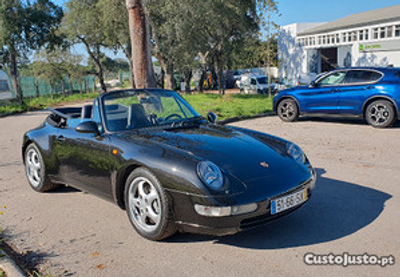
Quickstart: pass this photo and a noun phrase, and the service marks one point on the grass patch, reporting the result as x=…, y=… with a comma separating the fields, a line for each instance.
x=229, y=105
x=225, y=106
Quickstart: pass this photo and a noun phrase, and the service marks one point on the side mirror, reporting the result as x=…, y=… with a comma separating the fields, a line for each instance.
x=88, y=127
x=313, y=84
x=212, y=117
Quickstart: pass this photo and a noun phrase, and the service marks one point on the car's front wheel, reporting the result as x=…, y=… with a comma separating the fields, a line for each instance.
x=148, y=206
x=287, y=110
x=35, y=169
x=380, y=114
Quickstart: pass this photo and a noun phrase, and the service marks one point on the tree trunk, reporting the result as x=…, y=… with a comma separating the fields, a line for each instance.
x=203, y=59
x=51, y=91
x=214, y=77
x=71, y=86
x=162, y=79
x=63, y=87
x=140, y=42
x=188, y=76
x=37, y=88
x=168, y=69
x=14, y=76
x=100, y=75
x=94, y=84
x=221, y=77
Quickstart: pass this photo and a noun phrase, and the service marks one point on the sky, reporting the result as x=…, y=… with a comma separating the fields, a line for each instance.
x=304, y=11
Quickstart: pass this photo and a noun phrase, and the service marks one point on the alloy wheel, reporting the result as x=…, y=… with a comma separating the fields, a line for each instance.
x=33, y=167
x=144, y=204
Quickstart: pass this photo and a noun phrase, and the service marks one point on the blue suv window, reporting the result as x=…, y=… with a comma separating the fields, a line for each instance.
x=362, y=76
x=334, y=78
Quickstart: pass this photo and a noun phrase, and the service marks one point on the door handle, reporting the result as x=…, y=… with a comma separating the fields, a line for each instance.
x=60, y=138
x=369, y=87
x=335, y=90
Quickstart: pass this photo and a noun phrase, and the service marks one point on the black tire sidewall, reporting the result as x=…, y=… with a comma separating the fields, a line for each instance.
x=162, y=230
x=391, y=118
x=288, y=119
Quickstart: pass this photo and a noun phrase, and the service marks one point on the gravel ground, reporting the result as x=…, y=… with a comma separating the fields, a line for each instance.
x=355, y=209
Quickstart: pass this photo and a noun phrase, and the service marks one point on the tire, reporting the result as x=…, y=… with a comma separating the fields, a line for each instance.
x=380, y=114
x=35, y=170
x=287, y=110
x=148, y=206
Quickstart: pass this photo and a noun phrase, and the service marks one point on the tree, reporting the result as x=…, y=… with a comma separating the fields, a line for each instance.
x=115, y=25
x=48, y=68
x=83, y=24
x=140, y=43
x=269, y=8
x=24, y=27
x=191, y=34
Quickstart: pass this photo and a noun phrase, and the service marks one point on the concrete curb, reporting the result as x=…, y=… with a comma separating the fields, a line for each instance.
x=9, y=266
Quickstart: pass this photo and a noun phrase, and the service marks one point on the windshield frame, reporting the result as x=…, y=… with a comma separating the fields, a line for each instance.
x=167, y=93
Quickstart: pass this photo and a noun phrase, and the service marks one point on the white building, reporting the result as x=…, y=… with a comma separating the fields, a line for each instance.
x=366, y=39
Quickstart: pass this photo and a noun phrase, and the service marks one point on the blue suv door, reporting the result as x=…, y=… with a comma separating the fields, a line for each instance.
x=322, y=97
x=358, y=86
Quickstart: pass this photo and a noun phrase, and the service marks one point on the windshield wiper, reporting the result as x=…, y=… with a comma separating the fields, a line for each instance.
x=186, y=123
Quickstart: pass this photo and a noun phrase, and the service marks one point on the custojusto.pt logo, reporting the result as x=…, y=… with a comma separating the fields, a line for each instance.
x=347, y=259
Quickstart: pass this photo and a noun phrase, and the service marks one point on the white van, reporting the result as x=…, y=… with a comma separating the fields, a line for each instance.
x=255, y=84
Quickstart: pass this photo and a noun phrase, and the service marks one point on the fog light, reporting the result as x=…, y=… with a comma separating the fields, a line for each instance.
x=225, y=211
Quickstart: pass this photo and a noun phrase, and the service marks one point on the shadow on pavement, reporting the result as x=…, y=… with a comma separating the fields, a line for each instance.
x=28, y=261
x=336, y=209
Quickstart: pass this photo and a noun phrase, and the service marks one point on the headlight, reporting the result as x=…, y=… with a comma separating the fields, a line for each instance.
x=295, y=153
x=210, y=174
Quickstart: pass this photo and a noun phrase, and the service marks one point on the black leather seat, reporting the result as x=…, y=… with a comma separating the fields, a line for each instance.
x=137, y=117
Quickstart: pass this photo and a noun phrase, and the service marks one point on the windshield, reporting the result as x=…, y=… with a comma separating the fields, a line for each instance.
x=262, y=80
x=135, y=109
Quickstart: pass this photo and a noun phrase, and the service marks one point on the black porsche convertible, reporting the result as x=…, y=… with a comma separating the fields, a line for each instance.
x=172, y=170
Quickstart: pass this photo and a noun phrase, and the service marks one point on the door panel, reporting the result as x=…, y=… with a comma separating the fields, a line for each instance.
x=319, y=100
x=359, y=85
x=84, y=161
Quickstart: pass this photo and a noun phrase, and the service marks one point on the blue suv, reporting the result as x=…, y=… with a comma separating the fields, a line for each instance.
x=370, y=92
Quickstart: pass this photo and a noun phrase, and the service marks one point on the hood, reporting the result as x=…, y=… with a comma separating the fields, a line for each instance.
x=235, y=152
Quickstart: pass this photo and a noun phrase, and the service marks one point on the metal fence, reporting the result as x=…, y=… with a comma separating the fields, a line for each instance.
x=32, y=87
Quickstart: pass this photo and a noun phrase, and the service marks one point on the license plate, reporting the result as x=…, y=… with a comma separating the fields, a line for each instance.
x=286, y=202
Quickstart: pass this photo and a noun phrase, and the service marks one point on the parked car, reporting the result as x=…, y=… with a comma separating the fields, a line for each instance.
x=255, y=84
x=369, y=92
x=153, y=155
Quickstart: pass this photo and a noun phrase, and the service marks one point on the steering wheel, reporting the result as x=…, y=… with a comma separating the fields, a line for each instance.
x=173, y=115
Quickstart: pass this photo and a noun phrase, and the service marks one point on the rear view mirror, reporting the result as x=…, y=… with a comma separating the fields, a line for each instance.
x=88, y=127
x=212, y=117
x=313, y=84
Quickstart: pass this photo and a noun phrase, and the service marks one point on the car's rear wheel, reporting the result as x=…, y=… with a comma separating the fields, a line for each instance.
x=287, y=110
x=148, y=206
x=380, y=114
x=35, y=169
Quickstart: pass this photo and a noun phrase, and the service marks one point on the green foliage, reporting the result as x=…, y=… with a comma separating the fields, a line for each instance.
x=191, y=34
x=44, y=102
x=29, y=25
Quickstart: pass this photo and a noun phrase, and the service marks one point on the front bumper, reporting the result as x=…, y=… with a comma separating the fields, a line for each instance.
x=188, y=220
